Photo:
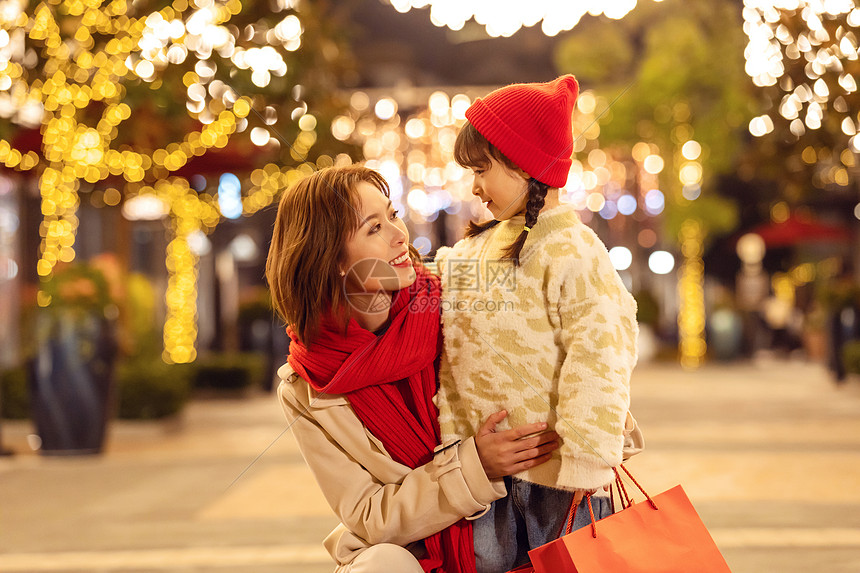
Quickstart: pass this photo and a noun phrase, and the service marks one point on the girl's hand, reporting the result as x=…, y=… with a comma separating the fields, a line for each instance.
x=580, y=494
x=508, y=452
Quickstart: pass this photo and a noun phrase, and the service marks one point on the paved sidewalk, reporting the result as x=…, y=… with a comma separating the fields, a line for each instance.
x=768, y=452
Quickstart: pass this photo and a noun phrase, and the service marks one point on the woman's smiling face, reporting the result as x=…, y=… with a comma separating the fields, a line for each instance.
x=377, y=254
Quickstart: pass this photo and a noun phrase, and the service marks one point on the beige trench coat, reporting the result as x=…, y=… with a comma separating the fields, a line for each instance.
x=377, y=499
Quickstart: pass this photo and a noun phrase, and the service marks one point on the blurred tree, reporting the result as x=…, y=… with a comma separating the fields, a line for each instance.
x=804, y=59
x=133, y=95
x=675, y=73
x=672, y=86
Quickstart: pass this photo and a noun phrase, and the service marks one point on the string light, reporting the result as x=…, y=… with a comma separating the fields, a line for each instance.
x=505, y=18
x=415, y=152
x=691, y=312
x=803, y=54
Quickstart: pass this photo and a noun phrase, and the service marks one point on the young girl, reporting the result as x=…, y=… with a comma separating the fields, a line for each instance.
x=358, y=388
x=535, y=317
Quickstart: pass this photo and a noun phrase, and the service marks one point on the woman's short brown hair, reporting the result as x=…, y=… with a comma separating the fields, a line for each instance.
x=316, y=217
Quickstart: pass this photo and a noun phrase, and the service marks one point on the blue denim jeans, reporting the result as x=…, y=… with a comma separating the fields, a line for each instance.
x=528, y=517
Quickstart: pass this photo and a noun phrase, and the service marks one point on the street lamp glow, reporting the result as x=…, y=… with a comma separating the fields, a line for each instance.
x=655, y=202
x=653, y=164
x=621, y=258
x=691, y=150
x=145, y=208
x=230, y=196
x=260, y=136
x=385, y=108
x=627, y=204
x=751, y=248
x=244, y=248
x=661, y=262
x=199, y=243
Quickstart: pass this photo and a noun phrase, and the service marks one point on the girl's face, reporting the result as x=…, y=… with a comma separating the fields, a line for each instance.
x=377, y=254
x=503, y=190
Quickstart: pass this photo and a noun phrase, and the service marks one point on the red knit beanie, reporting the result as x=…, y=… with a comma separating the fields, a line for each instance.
x=531, y=125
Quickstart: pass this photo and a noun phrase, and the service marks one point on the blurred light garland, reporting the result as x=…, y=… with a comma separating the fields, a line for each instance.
x=189, y=213
x=413, y=148
x=691, y=282
x=691, y=312
x=411, y=141
x=76, y=72
x=506, y=17
x=809, y=49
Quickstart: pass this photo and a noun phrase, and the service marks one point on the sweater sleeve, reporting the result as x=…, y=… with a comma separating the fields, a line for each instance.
x=598, y=332
x=356, y=477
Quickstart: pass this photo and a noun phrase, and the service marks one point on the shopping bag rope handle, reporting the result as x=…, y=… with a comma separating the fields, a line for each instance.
x=572, y=515
x=622, y=494
x=633, y=479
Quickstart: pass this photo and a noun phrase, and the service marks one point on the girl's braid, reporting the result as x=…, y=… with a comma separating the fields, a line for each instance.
x=535, y=202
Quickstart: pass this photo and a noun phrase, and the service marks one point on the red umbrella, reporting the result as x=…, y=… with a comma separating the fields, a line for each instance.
x=27, y=139
x=233, y=158
x=796, y=230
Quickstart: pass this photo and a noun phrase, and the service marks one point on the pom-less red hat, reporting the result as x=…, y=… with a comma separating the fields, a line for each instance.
x=531, y=125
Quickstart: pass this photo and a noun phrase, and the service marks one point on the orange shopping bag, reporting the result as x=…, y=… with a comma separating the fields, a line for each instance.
x=661, y=535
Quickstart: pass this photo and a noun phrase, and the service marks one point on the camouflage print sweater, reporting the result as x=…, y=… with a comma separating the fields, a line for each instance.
x=552, y=340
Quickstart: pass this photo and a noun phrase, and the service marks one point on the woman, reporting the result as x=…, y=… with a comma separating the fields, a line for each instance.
x=365, y=330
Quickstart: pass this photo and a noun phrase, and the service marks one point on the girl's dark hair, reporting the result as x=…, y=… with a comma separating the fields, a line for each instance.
x=474, y=150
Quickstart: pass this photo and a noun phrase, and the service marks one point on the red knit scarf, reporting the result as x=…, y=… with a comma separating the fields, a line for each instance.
x=390, y=381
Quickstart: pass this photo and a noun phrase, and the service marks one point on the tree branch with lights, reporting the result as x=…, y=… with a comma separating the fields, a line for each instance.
x=106, y=83
x=803, y=57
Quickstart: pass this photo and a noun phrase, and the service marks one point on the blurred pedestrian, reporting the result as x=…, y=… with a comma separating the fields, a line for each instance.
x=844, y=328
x=363, y=315
x=536, y=318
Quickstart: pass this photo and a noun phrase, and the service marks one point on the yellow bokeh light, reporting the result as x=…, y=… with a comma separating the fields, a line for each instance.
x=595, y=202
x=690, y=173
x=653, y=164
x=242, y=107
x=641, y=150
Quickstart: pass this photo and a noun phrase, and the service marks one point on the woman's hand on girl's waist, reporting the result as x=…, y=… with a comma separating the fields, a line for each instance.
x=508, y=452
